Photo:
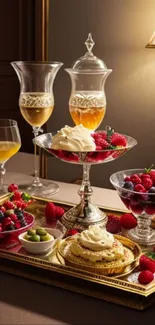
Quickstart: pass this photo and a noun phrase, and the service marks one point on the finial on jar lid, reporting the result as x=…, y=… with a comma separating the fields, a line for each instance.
x=89, y=43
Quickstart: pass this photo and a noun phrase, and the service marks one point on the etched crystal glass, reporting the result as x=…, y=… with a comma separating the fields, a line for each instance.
x=87, y=103
x=36, y=102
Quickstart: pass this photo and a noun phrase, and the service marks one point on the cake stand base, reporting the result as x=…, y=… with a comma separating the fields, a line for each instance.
x=146, y=241
x=83, y=215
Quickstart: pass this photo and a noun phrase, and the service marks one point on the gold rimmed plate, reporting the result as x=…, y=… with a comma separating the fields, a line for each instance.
x=113, y=269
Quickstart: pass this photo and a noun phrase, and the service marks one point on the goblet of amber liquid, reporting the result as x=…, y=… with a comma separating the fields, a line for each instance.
x=36, y=102
x=87, y=103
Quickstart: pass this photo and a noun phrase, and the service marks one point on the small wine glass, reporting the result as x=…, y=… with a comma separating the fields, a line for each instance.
x=10, y=143
x=36, y=102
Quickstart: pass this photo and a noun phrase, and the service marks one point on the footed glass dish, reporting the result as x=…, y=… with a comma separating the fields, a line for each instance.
x=85, y=213
x=141, y=204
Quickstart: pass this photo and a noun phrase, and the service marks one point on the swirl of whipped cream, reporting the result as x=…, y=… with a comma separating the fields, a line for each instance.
x=96, y=238
x=76, y=138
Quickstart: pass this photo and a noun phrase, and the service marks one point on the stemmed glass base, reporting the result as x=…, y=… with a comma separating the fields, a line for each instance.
x=85, y=213
x=143, y=234
x=44, y=190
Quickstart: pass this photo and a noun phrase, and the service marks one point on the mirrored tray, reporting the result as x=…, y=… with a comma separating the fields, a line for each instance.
x=50, y=268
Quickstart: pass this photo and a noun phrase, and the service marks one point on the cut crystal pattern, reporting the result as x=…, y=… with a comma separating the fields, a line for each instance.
x=36, y=99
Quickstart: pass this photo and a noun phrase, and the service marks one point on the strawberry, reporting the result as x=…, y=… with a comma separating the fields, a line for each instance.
x=135, y=179
x=12, y=187
x=118, y=140
x=113, y=224
x=147, y=182
x=50, y=212
x=128, y=221
x=147, y=263
x=18, y=203
x=16, y=195
x=145, y=277
x=8, y=205
x=139, y=188
x=72, y=232
x=59, y=212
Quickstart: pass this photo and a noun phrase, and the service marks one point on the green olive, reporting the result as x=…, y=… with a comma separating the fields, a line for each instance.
x=31, y=232
x=27, y=237
x=41, y=231
x=35, y=238
x=46, y=237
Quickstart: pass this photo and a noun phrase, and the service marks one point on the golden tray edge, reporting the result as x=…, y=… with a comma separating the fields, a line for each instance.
x=73, y=272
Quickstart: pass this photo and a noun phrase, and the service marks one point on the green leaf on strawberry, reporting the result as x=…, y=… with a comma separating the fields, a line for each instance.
x=147, y=170
x=150, y=255
x=26, y=197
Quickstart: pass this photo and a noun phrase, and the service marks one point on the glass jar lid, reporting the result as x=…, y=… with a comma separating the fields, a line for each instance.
x=89, y=61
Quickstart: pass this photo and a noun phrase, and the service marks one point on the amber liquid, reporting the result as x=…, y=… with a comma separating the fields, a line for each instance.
x=36, y=116
x=88, y=109
x=8, y=149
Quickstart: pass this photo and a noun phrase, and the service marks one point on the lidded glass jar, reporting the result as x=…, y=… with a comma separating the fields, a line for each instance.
x=87, y=103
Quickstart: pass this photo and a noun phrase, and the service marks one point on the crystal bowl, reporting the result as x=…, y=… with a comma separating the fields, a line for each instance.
x=88, y=157
x=141, y=204
x=9, y=238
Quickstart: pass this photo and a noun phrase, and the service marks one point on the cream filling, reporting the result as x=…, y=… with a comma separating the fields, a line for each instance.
x=96, y=238
x=77, y=138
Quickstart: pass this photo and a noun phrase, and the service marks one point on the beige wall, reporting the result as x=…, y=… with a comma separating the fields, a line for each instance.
x=121, y=29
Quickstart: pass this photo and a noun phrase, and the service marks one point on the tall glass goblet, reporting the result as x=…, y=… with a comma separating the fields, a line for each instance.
x=10, y=143
x=36, y=104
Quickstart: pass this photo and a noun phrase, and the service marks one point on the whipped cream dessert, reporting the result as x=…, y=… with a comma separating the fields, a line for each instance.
x=76, y=138
x=96, y=244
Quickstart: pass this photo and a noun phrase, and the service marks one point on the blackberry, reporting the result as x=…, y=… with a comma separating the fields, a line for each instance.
x=1, y=216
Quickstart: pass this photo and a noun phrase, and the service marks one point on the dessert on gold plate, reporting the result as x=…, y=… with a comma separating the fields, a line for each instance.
x=98, y=251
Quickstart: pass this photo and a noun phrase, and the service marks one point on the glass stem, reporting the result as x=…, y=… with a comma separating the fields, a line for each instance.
x=143, y=226
x=36, y=181
x=2, y=173
x=85, y=190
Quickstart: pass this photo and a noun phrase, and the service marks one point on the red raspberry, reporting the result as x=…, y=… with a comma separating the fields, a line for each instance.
x=127, y=179
x=24, y=205
x=113, y=224
x=147, y=263
x=128, y=221
x=2, y=208
x=139, y=188
x=8, y=205
x=99, y=134
x=16, y=196
x=147, y=182
x=50, y=212
x=152, y=175
x=118, y=140
x=12, y=187
x=145, y=176
x=72, y=232
x=134, y=178
x=145, y=277
x=59, y=212
x=101, y=143
x=13, y=217
x=17, y=225
x=18, y=203
x=98, y=148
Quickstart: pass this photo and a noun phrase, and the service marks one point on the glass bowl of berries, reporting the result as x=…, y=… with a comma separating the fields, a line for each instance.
x=136, y=188
x=13, y=220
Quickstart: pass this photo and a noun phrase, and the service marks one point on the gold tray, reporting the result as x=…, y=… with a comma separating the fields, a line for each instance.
x=51, y=269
